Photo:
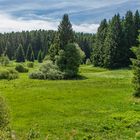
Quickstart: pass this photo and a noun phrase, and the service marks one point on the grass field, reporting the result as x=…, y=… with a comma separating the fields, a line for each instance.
x=99, y=107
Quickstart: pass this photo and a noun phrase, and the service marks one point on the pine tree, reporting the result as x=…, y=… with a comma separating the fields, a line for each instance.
x=137, y=26
x=30, y=53
x=54, y=48
x=65, y=31
x=20, y=57
x=136, y=69
x=39, y=58
x=9, y=50
x=32, y=59
x=129, y=36
x=98, y=54
x=1, y=50
x=69, y=60
x=113, y=44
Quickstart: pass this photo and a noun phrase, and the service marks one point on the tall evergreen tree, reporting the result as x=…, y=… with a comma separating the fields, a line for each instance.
x=54, y=48
x=65, y=31
x=32, y=59
x=137, y=26
x=129, y=36
x=69, y=60
x=1, y=50
x=30, y=53
x=98, y=52
x=113, y=44
x=136, y=69
x=39, y=58
x=20, y=57
x=9, y=50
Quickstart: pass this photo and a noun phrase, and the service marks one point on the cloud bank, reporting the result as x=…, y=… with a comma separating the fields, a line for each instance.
x=9, y=24
x=85, y=15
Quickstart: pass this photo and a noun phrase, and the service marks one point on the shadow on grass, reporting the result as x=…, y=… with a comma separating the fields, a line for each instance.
x=78, y=77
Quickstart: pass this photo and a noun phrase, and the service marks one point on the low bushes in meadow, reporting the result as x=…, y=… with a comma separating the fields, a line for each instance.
x=47, y=71
x=20, y=68
x=8, y=74
x=37, y=75
x=4, y=61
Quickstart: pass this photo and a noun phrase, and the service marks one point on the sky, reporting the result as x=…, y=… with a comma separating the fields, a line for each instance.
x=85, y=15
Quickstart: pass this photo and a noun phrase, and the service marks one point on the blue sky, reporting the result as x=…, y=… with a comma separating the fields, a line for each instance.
x=18, y=15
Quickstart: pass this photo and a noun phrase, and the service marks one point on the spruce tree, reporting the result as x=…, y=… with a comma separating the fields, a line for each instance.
x=113, y=44
x=98, y=54
x=9, y=50
x=137, y=26
x=1, y=50
x=39, y=58
x=54, y=48
x=32, y=59
x=69, y=60
x=136, y=69
x=30, y=53
x=129, y=36
x=20, y=57
x=65, y=31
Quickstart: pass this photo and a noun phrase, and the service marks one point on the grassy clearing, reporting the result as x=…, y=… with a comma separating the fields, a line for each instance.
x=99, y=107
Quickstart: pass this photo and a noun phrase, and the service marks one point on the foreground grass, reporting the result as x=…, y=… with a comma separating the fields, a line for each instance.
x=98, y=107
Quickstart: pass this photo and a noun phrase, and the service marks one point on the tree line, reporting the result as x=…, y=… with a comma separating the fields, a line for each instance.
x=114, y=41
x=33, y=45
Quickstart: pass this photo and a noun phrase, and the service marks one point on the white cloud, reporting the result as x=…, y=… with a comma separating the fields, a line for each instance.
x=9, y=24
x=86, y=28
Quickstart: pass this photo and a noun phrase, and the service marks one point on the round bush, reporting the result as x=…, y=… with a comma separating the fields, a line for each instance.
x=30, y=65
x=20, y=68
x=54, y=74
x=47, y=71
x=8, y=74
x=37, y=75
x=4, y=60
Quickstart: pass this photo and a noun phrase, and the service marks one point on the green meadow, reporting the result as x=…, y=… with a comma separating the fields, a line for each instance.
x=100, y=106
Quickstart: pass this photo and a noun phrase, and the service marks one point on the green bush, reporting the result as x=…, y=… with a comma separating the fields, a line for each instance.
x=8, y=74
x=51, y=71
x=47, y=71
x=30, y=64
x=20, y=68
x=4, y=60
x=54, y=74
x=88, y=62
x=69, y=60
x=37, y=75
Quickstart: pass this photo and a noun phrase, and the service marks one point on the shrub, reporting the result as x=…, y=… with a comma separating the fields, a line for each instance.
x=8, y=74
x=13, y=74
x=20, y=68
x=37, y=75
x=136, y=71
x=54, y=74
x=30, y=64
x=4, y=60
x=47, y=71
x=88, y=62
x=51, y=71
